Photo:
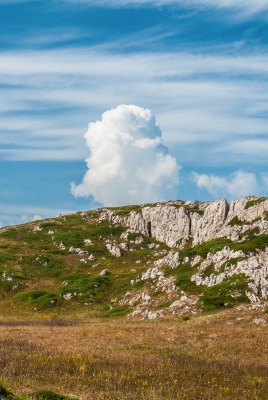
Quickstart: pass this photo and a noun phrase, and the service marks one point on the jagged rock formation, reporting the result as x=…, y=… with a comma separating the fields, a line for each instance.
x=240, y=253
x=176, y=222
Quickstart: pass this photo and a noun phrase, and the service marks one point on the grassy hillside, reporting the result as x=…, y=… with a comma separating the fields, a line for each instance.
x=37, y=273
x=62, y=266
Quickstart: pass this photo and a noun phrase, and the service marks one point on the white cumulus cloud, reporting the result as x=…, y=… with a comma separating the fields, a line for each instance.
x=237, y=185
x=128, y=163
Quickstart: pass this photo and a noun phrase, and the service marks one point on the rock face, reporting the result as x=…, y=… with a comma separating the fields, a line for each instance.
x=176, y=222
x=239, y=229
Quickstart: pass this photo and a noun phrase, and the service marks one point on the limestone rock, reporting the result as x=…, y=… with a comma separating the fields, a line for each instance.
x=114, y=249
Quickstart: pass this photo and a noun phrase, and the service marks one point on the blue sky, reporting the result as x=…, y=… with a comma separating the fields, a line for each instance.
x=202, y=70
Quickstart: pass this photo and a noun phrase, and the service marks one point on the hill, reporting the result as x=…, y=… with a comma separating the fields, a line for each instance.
x=146, y=261
x=123, y=303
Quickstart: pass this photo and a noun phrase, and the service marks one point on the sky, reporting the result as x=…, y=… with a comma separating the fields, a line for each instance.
x=128, y=101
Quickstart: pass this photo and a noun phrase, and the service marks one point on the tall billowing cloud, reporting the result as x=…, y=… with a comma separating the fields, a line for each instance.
x=239, y=184
x=128, y=163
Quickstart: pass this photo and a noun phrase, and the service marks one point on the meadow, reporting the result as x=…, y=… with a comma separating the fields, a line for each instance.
x=214, y=356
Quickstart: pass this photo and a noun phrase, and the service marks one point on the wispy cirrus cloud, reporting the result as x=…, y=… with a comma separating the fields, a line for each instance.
x=244, y=9
x=48, y=97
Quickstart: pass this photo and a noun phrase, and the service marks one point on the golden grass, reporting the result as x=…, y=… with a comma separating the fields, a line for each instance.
x=219, y=356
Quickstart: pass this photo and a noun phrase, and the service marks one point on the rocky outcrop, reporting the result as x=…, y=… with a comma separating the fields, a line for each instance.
x=227, y=263
x=174, y=223
x=211, y=223
x=114, y=249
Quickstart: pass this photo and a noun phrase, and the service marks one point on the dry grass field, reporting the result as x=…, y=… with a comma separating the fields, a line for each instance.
x=214, y=356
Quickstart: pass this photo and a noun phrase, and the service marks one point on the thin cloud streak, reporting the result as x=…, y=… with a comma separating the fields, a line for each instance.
x=18, y=214
x=53, y=94
x=244, y=9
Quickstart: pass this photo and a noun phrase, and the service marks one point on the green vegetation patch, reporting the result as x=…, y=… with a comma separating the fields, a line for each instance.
x=118, y=311
x=231, y=261
x=48, y=265
x=49, y=395
x=6, y=394
x=253, y=243
x=85, y=287
x=195, y=210
x=49, y=225
x=190, y=209
x=202, y=250
x=41, y=299
x=228, y=293
x=237, y=222
x=250, y=233
x=184, y=282
x=106, y=231
x=210, y=269
x=254, y=202
x=125, y=211
x=6, y=256
x=11, y=280
x=164, y=305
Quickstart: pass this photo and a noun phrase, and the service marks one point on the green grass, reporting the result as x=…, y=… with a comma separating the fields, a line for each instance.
x=190, y=209
x=231, y=261
x=183, y=281
x=228, y=293
x=11, y=280
x=86, y=287
x=41, y=299
x=252, y=203
x=126, y=210
x=49, y=395
x=237, y=222
x=210, y=269
x=118, y=311
x=164, y=305
x=43, y=265
x=6, y=394
x=253, y=243
x=211, y=246
x=250, y=233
